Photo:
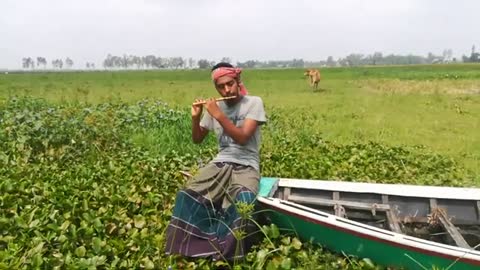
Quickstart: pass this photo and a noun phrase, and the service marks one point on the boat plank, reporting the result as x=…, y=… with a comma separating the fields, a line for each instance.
x=456, y=222
x=391, y=217
x=478, y=210
x=452, y=230
x=433, y=204
x=348, y=204
x=286, y=193
x=339, y=210
x=447, y=224
x=390, y=189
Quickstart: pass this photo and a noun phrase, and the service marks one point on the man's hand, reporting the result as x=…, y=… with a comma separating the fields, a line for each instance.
x=213, y=108
x=197, y=109
x=198, y=133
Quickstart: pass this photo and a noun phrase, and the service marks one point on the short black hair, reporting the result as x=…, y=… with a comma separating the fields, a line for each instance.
x=222, y=64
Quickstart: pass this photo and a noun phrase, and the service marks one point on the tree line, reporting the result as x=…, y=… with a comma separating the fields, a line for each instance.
x=41, y=62
x=158, y=62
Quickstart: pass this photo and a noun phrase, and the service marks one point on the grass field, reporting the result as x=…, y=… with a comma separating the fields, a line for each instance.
x=90, y=161
x=435, y=106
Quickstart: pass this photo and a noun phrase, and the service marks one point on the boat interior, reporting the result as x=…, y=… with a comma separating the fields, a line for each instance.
x=449, y=221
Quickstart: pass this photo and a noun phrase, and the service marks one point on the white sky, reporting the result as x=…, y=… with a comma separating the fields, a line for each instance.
x=87, y=30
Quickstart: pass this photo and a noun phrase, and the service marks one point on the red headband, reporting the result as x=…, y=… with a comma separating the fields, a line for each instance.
x=230, y=72
x=225, y=71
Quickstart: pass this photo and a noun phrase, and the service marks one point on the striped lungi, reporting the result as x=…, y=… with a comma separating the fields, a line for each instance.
x=206, y=221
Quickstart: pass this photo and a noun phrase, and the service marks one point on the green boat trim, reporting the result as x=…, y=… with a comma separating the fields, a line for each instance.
x=343, y=235
x=425, y=252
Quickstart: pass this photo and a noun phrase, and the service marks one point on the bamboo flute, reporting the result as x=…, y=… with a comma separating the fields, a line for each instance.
x=217, y=99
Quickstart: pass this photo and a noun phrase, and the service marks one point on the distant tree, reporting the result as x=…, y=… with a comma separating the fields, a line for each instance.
x=41, y=61
x=191, y=62
x=253, y=64
x=343, y=62
x=203, y=64
x=68, y=62
x=108, y=62
x=430, y=57
x=354, y=59
x=159, y=62
x=226, y=59
x=321, y=63
x=28, y=62
x=24, y=62
x=136, y=60
x=377, y=57
x=124, y=61
x=149, y=60
x=57, y=63
x=297, y=63
x=115, y=61
x=177, y=62
x=474, y=56
x=330, y=61
x=90, y=65
x=447, y=55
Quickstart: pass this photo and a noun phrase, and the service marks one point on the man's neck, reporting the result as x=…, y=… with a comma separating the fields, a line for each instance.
x=233, y=102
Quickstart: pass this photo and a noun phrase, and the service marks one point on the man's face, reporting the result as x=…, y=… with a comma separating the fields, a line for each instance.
x=227, y=86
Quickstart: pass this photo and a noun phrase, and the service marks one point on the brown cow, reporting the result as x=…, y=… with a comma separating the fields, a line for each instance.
x=314, y=75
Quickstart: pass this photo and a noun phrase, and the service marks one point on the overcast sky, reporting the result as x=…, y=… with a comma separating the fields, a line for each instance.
x=87, y=30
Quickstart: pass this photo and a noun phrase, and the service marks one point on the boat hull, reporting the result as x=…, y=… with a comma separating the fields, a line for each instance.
x=349, y=237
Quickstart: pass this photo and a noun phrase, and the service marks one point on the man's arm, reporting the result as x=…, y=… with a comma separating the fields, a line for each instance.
x=240, y=135
x=198, y=132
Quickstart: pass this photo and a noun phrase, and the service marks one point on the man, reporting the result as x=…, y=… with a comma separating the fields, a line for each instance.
x=314, y=76
x=206, y=221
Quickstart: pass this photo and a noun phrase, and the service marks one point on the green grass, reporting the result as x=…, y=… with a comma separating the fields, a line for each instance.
x=435, y=106
x=93, y=185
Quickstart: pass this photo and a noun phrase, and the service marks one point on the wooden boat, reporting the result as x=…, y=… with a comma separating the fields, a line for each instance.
x=413, y=227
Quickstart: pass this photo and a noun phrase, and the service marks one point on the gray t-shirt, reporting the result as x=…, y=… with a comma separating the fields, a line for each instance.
x=250, y=107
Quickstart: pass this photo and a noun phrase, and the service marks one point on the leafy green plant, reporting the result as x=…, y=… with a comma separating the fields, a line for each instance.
x=87, y=186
